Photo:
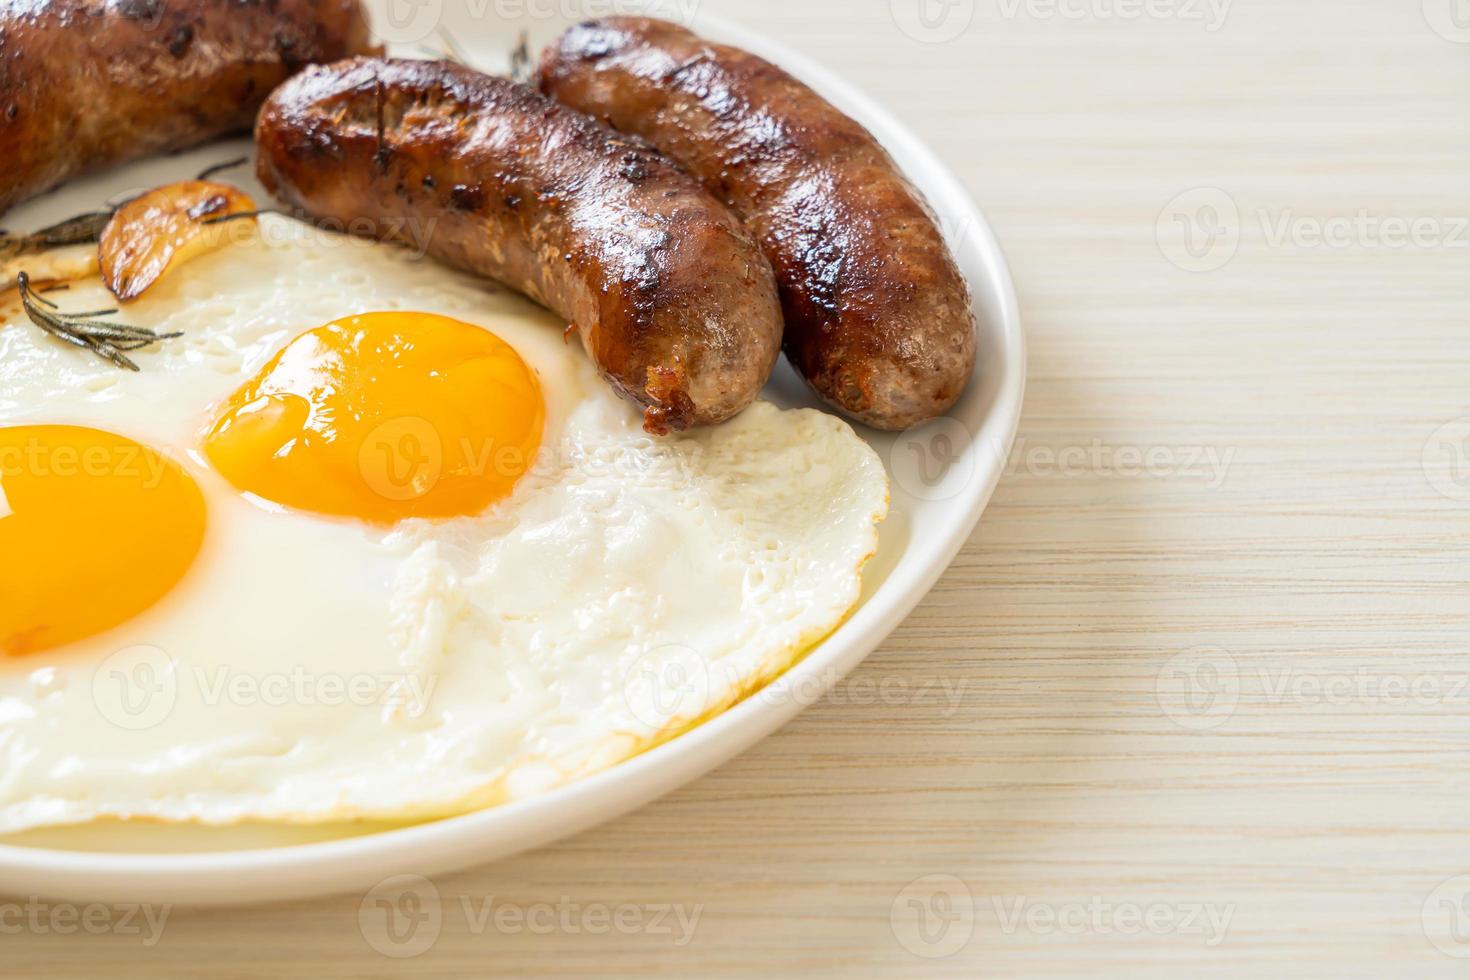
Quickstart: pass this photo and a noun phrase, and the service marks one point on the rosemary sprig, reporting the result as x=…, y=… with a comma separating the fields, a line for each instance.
x=220, y=168
x=240, y=216
x=83, y=228
x=448, y=49
x=521, y=69
x=107, y=340
x=77, y=230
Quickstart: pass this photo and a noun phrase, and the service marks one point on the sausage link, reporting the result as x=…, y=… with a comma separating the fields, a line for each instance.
x=878, y=317
x=674, y=301
x=86, y=84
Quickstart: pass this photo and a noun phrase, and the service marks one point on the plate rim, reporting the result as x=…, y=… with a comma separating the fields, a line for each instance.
x=252, y=875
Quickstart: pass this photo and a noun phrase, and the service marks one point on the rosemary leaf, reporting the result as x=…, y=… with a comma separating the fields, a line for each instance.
x=219, y=168
x=78, y=230
x=106, y=340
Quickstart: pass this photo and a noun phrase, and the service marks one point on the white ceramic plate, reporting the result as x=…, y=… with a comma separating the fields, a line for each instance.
x=943, y=475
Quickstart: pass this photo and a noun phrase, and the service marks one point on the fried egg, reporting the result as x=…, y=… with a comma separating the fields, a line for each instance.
x=373, y=540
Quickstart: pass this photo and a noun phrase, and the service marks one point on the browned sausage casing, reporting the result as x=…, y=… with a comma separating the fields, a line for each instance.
x=85, y=84
x=878, y=316
x=674, y=301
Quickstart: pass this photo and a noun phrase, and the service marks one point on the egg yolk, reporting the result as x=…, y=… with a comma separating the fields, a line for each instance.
x=383, y=417
x=94, y=529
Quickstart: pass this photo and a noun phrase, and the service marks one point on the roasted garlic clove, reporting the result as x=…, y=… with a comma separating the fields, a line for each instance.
x=167, y=227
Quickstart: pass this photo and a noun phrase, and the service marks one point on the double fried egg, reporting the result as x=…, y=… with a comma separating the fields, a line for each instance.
x=373, y=540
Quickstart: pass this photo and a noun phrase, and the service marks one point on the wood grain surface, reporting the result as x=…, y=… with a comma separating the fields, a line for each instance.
x=1195, y=699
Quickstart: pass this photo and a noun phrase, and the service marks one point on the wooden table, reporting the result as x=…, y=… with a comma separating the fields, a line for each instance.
x=1195, y=699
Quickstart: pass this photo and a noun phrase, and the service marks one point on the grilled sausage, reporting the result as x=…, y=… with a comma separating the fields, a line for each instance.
x=673, y=299
x=85, y=84
x=878, y=316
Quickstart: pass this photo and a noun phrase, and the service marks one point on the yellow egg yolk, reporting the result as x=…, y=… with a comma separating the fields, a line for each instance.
x=94, y=529
x=383, y=417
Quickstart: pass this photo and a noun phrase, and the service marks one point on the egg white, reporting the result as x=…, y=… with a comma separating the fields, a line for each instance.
x=316, y=670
